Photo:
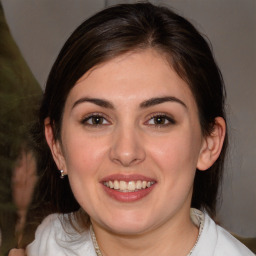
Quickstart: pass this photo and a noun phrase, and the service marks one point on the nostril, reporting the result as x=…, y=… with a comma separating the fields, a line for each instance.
x=125, y=161
x=127, y=148
x=126, y=158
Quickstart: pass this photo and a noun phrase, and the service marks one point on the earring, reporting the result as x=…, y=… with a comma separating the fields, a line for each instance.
x=62, y=174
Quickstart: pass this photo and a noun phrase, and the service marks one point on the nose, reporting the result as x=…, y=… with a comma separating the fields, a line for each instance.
x=127, y=147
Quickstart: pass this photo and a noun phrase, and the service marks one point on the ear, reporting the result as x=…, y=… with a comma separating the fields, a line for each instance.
x=54, y=145
x=212, y=145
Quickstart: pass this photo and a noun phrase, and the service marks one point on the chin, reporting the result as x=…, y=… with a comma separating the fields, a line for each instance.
x=129, y=230
x=127, y=225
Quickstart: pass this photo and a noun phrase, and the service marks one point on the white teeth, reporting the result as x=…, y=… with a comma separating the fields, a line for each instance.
x=130, y=186
x=123, y=185
x=138, y=184
x=144, y=184
x=111, y=184
x=116, y=184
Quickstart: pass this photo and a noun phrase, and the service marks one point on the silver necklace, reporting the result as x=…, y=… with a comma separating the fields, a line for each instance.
x=95, y=243
x=201, y=225
x=98, y=252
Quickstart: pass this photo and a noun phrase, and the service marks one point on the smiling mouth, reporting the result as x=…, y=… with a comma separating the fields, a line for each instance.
x=130, y=186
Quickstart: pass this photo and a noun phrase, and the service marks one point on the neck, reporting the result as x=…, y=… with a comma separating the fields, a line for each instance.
x=174, y=237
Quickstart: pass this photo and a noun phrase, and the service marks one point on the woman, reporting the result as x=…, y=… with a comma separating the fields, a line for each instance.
x=133, y=114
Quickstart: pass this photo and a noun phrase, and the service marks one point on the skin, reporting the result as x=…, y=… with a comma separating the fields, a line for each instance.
x=17, y=252
x=23, y=182
x=130, y=141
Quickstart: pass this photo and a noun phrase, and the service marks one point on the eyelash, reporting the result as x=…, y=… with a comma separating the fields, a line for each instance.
x=103, y=118
x=167, y=118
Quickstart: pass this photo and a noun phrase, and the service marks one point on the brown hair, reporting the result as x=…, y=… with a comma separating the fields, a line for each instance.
x=112, y=32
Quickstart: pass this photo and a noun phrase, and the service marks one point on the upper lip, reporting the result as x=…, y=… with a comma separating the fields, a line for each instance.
x=126, y=177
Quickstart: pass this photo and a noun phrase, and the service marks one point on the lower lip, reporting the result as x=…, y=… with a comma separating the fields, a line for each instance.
x=128, y=196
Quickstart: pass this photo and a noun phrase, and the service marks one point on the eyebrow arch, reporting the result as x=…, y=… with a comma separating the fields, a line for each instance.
x=159, y=100
x=145, y=104
x=99, y=102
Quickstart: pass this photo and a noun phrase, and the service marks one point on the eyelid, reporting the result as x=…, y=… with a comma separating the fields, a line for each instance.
x=85, y=118
x=168, y=117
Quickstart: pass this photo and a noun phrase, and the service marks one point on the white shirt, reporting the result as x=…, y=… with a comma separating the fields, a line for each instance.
x=52, y=239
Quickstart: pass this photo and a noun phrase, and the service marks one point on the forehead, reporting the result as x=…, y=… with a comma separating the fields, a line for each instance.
x=132, y=76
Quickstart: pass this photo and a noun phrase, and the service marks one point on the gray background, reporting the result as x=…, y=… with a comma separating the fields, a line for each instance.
x=40, y=28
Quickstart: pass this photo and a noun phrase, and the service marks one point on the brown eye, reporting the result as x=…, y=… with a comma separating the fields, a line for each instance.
x=159, y=120
x=95, y=120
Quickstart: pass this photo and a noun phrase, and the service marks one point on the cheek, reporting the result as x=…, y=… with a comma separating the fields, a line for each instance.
x=176, y=153
x=83, y=155
x=84, y=158
x=176, y=158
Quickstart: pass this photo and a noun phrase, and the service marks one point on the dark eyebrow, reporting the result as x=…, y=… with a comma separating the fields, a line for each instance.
x=159, y=100
x=99, y=102
x=144, y=104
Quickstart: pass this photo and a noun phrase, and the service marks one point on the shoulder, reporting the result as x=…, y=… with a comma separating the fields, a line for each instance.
x=49, y=227
x=55, y=237
x=216, y=241
x=229, y=245
x=45, y=236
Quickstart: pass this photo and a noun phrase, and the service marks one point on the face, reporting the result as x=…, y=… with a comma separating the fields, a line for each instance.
x=130, y=143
